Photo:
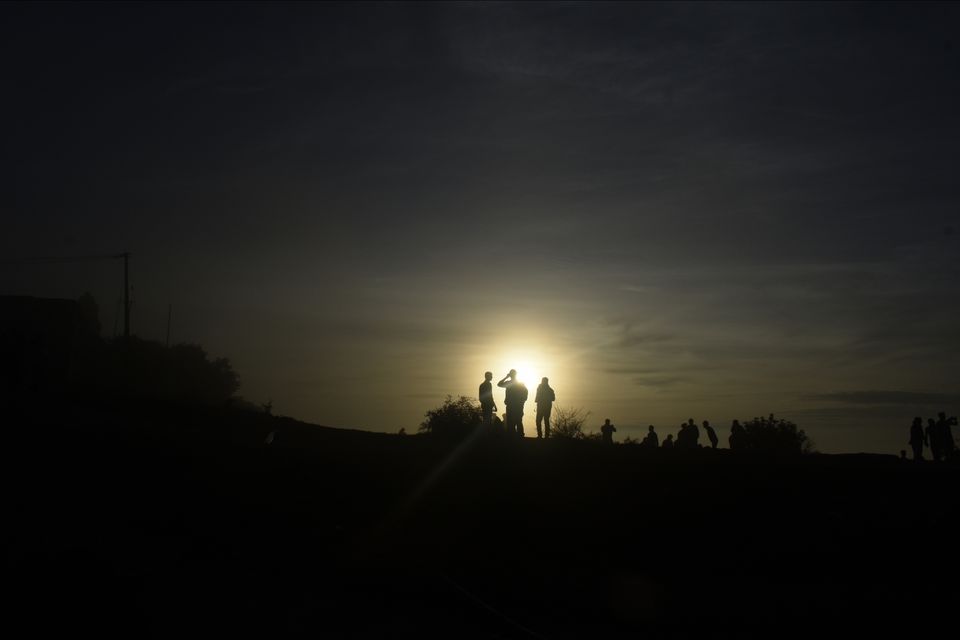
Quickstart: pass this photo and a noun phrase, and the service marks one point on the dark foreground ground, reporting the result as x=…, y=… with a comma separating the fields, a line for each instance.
x=187, y=524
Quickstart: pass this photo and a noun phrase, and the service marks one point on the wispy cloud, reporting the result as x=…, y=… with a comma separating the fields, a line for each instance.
x=909, y=398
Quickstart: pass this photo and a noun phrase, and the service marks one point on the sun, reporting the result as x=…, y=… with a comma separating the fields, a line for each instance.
x=530, y=367
x=528, y=371
x=532, y=358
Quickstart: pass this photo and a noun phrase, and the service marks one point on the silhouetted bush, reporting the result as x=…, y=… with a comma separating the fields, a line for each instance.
x=455, y=418
x=52, y=347
x=772, y=435
x=568, y=423
x=146, y=369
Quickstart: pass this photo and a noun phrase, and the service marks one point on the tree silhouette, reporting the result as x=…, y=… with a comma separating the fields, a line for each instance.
x=772, y=435
x=455, y=418
x=567, y=423
x=147, y=369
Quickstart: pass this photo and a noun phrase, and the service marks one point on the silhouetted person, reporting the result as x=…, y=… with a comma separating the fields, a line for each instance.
x=933, y=438
x=544, y=399
x=515, y=397
x=652, y=441
x=711, y=434
x=668, y=443
x=607, y=431
x=917, y=438
x=688, y=436
x=683, y=437
x=487, y=404
x=738, y=436
x=947, y=445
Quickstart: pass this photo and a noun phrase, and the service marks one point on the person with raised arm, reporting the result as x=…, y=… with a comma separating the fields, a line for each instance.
x=515, y=396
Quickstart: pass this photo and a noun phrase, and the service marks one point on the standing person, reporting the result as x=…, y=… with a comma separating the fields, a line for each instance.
x=652, y=441
x=947, y=444
x=694, y=434
x=607, y=431
x=688, y=436
x=738, y=436
x=933, y=438
x=668, y=443
x=515, y=397
x=487, y=404
x=545, y=398
x=917, y=438
x=711, y=434
x=683, y=437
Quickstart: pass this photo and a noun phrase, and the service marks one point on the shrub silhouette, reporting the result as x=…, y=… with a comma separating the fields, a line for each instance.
x=772, y=435
x=53, y=347
x=147, y=369
x=567, y=423
x=455, y=418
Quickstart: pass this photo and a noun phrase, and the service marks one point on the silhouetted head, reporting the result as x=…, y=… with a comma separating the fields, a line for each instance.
x=512, y=373
x=931, y=422
x=488, y=376
x=918, y=421
x=607, y=421
x=736, y=423
x=942, y=415
x=545, y=380
x=650, y=428
x=691, y=421
x=669, y=436
x=706, y=423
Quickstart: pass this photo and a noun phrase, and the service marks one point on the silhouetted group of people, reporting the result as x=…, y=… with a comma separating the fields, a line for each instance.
x=515, y=397
x=688, y=437
x=938, y=436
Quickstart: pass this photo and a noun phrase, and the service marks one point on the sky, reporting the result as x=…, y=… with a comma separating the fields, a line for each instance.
x=702, y=210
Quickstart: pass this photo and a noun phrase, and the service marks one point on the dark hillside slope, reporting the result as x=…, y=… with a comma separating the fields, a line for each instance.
x=187, y=523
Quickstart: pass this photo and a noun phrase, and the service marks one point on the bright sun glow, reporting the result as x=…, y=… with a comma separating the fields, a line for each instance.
x=530, y=352
x=530, y=367
x=528, y=372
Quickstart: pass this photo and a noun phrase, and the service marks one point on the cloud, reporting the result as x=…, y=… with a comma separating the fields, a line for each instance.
x=659, y=382
x=910, y=398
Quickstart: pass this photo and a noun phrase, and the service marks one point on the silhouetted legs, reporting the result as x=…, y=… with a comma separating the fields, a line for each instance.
x=918, y=450
x=543, y=416
x=486, y=411
x=515, y=421
x=933, y=437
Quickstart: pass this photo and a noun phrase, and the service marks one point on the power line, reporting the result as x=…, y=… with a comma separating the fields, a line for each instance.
x=61, y=259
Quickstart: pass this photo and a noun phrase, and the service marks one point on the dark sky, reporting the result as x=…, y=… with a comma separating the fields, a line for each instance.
x=673, y=210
